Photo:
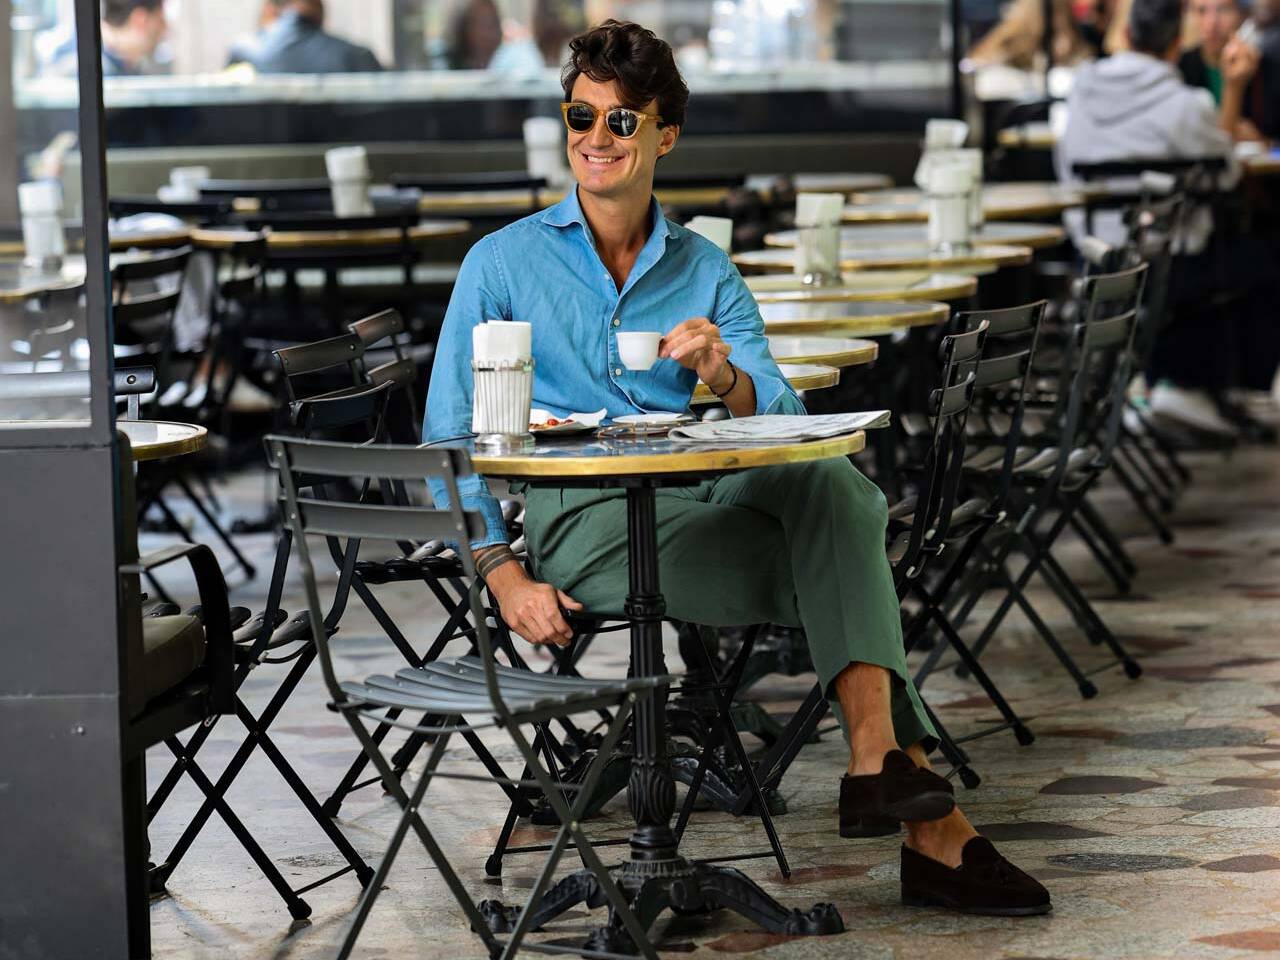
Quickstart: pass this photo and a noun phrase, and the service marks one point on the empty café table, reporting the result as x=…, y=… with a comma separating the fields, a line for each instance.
x=801, y=376
x=855, y=238
x=655, y=875
x=119, y=241
x=864, y=318
x=19, y=282
x=977, y=257
x=1000, y=201
x=820, y=182
x=283, y=241
x=866, y=285
x=161, y=439
x=838, y=352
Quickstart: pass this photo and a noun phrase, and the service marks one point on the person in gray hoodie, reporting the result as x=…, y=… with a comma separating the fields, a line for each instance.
x=1134, y=105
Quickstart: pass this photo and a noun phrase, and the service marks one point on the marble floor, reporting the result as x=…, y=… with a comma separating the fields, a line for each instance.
x=1152, y=813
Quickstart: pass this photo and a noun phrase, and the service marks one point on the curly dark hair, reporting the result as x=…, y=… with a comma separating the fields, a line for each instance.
x=642, y=65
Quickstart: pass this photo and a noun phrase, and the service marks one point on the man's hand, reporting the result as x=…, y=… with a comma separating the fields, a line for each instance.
x=530, y=608
x=1239, y=62
x=696, y=345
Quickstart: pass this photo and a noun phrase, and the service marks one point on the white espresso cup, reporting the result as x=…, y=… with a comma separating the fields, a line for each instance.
x=638, y=350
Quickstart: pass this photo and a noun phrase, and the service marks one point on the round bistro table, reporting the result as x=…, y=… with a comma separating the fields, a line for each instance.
x=864, y=318
x=218, y=238
x=864, y=286
x=655, y=876
x=161, y=439
x=118, y=241
x=918, y=256
x=838, y=352
x=857, y=237
x=801, y=376
x=1000, y=201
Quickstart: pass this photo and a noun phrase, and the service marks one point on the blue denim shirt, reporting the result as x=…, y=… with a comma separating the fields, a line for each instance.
x=544, y=270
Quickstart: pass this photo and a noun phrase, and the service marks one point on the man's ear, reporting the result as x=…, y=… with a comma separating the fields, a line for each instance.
x=668, y=136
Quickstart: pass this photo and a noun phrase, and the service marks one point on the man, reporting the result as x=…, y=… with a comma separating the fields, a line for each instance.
x=1134, y=105
x=131, y=31
x=1216, y=22
x=293, y=40
x=798, y=544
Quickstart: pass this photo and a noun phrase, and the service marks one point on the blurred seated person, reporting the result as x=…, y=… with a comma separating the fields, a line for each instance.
x=131, y=32
x=1263, y=100
x=1134, y=105
x=1018, y=37
x=1216, y=23
x=292, y=39
x=478, y=40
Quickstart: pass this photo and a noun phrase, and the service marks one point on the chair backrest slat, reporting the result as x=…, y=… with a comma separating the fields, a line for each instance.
x=333, y=459
x=151, y=266
x=371, y=329
x=369, y=521
x=320, y=355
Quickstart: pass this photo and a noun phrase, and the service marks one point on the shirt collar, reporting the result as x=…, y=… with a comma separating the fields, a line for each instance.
x=569, y=211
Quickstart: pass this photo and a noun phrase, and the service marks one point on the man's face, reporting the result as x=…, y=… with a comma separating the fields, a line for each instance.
x=1216, y=21
x=149, y=27
x=608, y=166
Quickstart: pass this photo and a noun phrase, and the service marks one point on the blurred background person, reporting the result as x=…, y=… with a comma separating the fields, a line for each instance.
x=131, y=32
x=1215, y=23
x=292, y=39
x=1019, y=36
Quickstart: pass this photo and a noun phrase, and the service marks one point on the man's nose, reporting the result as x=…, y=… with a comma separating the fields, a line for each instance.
x=600, y=135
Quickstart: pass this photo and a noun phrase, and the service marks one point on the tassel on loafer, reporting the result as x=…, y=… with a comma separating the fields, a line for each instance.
x=984, y=883
x=900, y=791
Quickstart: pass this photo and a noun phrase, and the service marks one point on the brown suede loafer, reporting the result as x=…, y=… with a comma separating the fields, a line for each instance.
x=900, y=791
x=984, y=883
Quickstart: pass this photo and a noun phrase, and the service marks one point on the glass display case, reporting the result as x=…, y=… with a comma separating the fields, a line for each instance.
x=756, y=69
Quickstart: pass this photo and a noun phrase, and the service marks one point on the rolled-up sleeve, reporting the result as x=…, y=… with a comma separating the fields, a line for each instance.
x=742, y=327
x=479, y=294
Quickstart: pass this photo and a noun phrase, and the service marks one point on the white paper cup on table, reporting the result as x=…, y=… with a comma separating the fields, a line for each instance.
x=638, y=350
x=719, y=230
x=940, y=137
x=818, y=237
x=184, y=183
x=502, y=368
x=40, y=206
x=948, y=194
x=971, y=159
x=348, y=169
x=544, y=150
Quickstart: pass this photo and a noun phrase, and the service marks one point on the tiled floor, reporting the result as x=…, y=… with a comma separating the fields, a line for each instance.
x=1152, y=812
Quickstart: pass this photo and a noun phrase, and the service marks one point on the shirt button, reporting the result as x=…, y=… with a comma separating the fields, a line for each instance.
x=617, y=322
x=617, y=371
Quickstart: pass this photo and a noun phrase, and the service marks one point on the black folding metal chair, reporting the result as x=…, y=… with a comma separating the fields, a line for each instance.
x=449, y=692
x=993, y=448
x=1050, y=486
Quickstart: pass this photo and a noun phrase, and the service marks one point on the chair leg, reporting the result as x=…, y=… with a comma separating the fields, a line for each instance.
x=1108, y=564
x=952, y=750
x=1089, y=513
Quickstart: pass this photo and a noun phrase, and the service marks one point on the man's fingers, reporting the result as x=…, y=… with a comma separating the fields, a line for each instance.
x=691, y=346
x=568, y=602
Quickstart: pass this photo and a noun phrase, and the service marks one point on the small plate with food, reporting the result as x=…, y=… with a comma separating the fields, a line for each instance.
x=543, y=424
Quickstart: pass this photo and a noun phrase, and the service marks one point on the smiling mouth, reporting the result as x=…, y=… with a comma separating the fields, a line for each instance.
x=600, y=161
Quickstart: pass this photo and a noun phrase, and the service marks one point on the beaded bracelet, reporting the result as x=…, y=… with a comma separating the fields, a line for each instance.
x=721, y=396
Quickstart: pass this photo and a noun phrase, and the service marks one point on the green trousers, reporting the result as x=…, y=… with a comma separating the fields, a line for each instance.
x=800, y=545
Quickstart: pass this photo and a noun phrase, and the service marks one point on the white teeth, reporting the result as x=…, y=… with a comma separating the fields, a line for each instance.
x=601, y=159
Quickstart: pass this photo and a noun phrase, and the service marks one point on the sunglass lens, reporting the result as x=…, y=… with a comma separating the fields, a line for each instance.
x=580, y=117
x=622, y=123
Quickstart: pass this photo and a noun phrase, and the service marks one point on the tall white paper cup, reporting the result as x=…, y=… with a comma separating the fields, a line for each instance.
x=948, y=200
x=350, y=198
x=347, y=163
x=40, y=206
x=818, y=236
x=719, y=230
x=185, y=182
x=544, y=150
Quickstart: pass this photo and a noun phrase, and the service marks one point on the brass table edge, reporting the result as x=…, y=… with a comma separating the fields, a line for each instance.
x=866, y=353
x=695, y=461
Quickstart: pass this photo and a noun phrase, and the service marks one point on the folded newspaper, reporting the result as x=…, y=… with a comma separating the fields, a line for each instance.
x=776, y=428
